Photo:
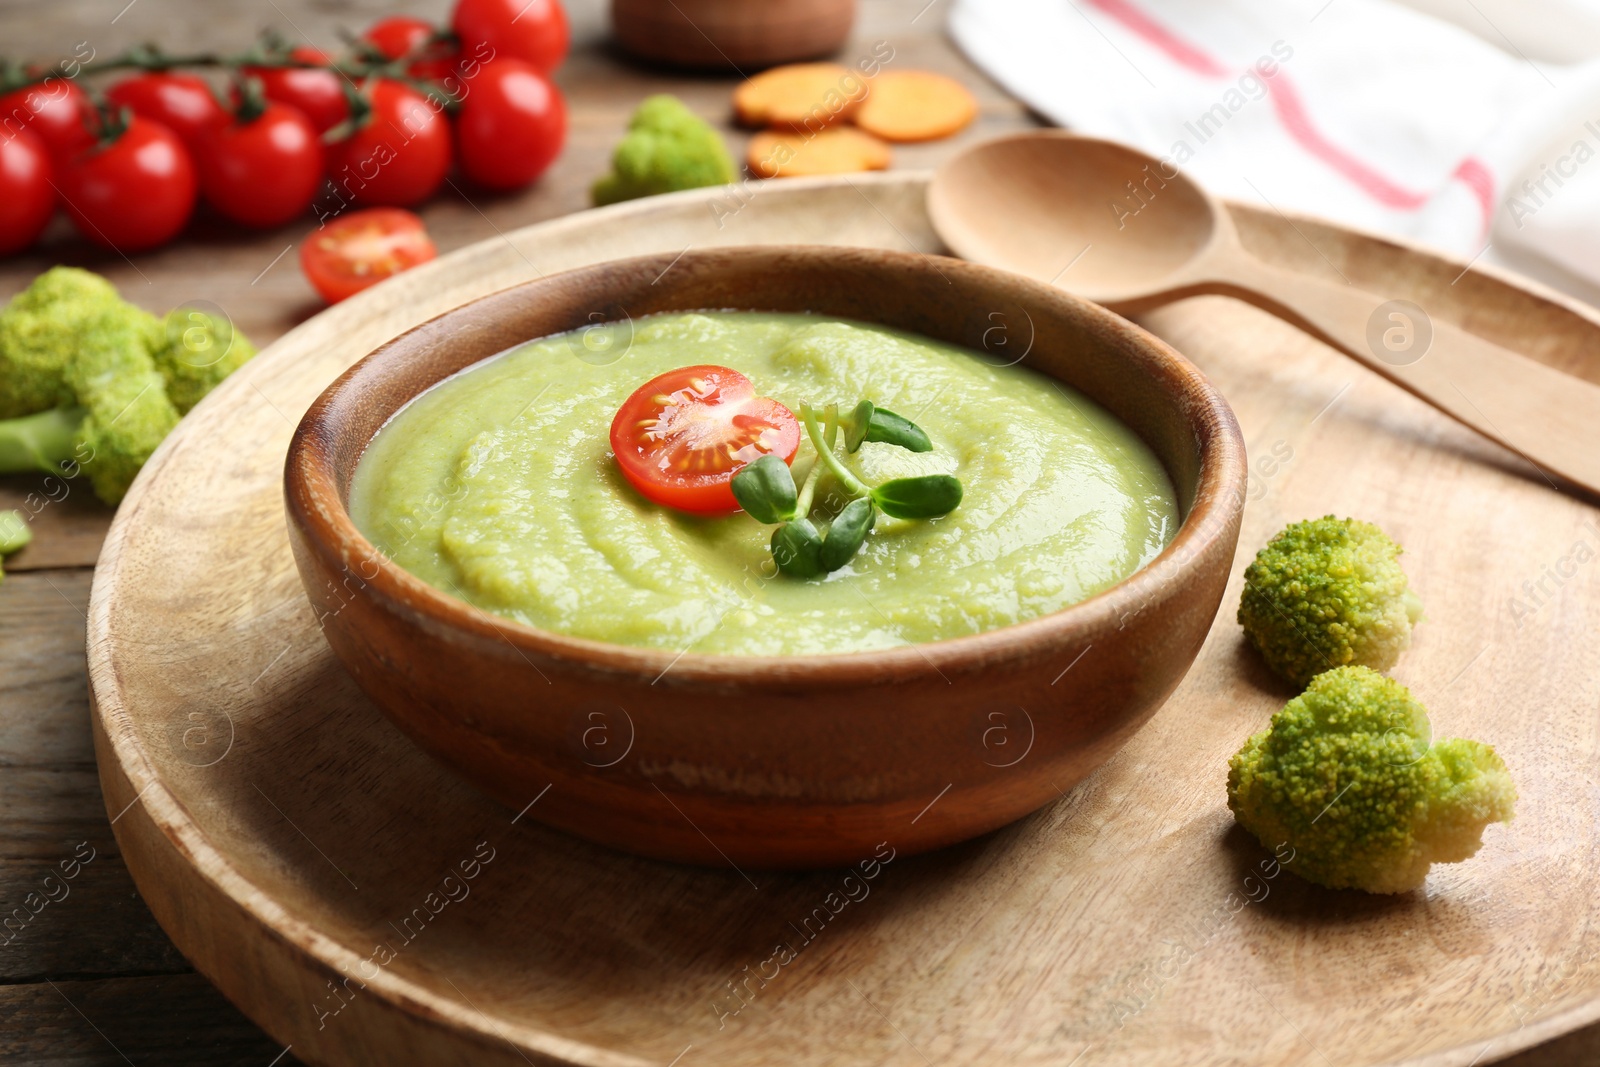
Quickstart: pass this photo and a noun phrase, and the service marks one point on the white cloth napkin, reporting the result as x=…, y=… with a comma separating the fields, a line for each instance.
x=1482, y=139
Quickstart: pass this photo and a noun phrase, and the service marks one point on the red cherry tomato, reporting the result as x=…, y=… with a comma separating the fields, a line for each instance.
x=261, y=171
x=534, y=31
x=181, y=102
x=400, y=35
x=54, y=109
x=319, y=94
x=682, y=435
x=400, y=155
x=134, y=193
x=363, y=248
x=27, y=199
x=511, y=126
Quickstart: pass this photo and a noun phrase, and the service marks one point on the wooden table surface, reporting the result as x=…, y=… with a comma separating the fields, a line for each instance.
x=91, y=978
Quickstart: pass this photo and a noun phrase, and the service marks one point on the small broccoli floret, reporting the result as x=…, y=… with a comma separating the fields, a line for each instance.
x=1325, y=593
x=667, y=148
x=14, y=534
x=93, y=384
x=38, y=337
x=124, y=398
x=195, y=351
x=1348, y=776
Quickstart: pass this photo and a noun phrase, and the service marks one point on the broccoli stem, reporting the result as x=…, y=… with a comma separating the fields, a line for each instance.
x=42, y=442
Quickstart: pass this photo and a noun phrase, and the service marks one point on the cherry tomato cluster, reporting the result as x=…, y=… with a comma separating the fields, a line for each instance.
x=300, y=130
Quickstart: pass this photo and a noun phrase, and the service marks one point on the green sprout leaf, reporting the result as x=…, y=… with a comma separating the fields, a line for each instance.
x=797, y=549
x=847, y=533
x=856, y=424
x=766, y=490
x=894, y=429
x=926, y=497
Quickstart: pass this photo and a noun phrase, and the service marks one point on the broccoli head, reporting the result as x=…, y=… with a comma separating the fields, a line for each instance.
x=195, y=350
x=1348, y=776
x=667, y=148
x=90, y=385
x=1327, y=593
x=124, y=400
x=38, y=332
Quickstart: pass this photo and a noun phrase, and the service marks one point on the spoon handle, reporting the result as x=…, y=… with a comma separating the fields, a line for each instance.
x=1550, y=418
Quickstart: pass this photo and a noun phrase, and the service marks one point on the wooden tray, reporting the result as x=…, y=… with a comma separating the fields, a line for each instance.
x=364, y=906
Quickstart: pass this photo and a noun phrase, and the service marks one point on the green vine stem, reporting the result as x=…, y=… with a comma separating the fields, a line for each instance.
x=272, y=52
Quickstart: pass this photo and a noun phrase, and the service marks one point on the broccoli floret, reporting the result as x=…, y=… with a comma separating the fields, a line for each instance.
x=124, y=398
x=196, y=351
x=1326, y=593
x=667, y=148
x=93, y=384
x=1348, y=777
x=38, y=335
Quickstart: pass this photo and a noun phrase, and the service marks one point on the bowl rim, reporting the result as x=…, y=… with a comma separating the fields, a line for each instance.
x=315, y=505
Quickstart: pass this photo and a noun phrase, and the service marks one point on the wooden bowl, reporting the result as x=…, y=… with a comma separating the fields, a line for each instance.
x=786, y=762
x=742, y=36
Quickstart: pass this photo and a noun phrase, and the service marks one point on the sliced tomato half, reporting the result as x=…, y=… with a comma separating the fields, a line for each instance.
x=682, y=435
x=363, y=248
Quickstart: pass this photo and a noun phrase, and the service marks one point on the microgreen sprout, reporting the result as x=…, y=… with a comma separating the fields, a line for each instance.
x=871, y=423
x=766, y=490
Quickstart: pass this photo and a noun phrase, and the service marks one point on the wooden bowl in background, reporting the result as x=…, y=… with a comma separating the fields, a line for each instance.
x=775, y=762
x=742, y=36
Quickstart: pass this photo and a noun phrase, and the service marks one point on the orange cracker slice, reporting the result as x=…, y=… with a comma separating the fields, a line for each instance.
x=800, y=96
x=915, y=105
x=839, y=150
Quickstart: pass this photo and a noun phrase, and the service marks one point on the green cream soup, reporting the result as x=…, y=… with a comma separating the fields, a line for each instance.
x=499, y=486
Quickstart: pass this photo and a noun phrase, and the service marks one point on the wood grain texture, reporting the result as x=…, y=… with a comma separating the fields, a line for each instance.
x=69, y=912
x=1117, y=925
x=145, y=1019
x=44, y=693
x=68, y=522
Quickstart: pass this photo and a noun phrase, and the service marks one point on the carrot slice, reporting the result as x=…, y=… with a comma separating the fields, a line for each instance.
x=838, y=150
x=915, y=105
x=800, y=96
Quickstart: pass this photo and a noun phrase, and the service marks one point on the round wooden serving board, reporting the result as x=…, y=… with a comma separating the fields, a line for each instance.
x=364, y=906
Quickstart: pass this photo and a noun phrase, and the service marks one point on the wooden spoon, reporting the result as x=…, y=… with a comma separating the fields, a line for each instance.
x=1126, y=230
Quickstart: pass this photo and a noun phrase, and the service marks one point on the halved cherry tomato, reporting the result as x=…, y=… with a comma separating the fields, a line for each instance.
x=363, y=248
x=535, y=31
x=681, y=437
x=401, y=35
x=181, y=102
x=319, y=94
x=55, y=110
